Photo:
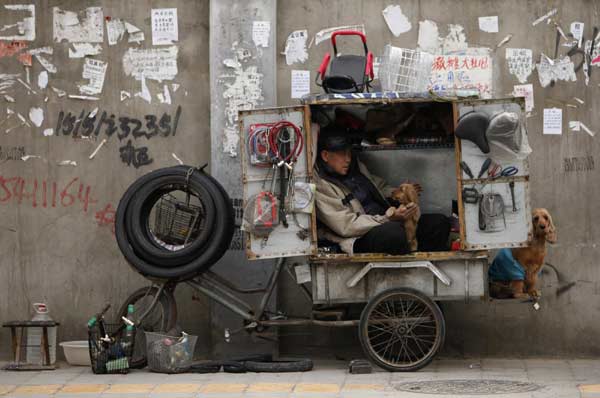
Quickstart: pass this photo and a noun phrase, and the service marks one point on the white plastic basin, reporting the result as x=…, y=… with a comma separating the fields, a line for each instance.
x=76, y=352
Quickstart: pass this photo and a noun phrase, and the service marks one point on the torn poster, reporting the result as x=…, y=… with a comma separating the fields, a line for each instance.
x=37, y=53
x=94, y=70
x=135, y=34
x=553, y=121
x=587, y=130
x=79, y=27
x=36, y=115
x=23, y=29
x=165, y=96
x=544, y=17
x=526, y=91
x=554, y=70
x=242, y=91
x=520, y=63
x=80, y=50
x=595, y=53
x=462, y=72
x=300, y=83
x=115, y=29
x=48, y=132
x=7, y=81
x=295, y=47
x=489, y=24
x=396, y=20
x=504, y=41
x=574, y=126
x=261, y=31
x=577, y=31
x=153, y=63
x=429, y=37
x=8, y=49
x=325, y=34
x=165, y=29
x=42, y=80
x=455, y=40
x=144, y=93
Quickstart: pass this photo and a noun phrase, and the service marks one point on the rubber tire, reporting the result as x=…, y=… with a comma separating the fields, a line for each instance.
x=364, y=323
x=139, y=209
x=300, y=365
x=167, y=301
x=205, y=367
x=221, y=237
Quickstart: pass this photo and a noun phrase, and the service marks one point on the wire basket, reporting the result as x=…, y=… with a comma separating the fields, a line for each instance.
x=405, y=71
x=176, y=222
x=113, y=356
x=169, y=354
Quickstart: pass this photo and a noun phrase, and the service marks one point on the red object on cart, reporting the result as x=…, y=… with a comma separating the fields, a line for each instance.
x=347, y=73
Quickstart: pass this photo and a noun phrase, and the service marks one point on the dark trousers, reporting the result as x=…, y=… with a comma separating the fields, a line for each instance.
x=390, y=238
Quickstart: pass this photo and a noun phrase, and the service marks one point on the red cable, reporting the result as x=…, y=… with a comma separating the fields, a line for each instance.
x=298, y=142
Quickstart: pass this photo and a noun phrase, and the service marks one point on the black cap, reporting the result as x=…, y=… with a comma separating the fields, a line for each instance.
x=333, y=138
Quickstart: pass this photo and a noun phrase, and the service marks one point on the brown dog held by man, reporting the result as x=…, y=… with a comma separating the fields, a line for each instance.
x=514, y=272
x=408, y=196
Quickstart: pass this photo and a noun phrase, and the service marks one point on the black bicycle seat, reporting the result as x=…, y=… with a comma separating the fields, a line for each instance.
x=472, y=126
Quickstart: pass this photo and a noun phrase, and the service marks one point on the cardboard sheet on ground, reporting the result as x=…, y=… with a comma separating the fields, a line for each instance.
x=165, y=29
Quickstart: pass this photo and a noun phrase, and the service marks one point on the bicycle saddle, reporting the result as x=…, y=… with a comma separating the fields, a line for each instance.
x=503, y=128
x=472, y=126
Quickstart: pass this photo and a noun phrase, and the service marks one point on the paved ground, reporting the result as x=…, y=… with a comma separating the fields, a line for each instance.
x=557, y=378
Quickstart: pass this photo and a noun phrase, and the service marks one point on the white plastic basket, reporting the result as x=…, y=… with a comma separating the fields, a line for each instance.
x=404, y=70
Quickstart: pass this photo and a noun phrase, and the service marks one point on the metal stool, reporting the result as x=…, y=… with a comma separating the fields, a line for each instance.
x=17, y=344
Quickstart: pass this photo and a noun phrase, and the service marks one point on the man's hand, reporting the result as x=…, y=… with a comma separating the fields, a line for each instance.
x=404, y=212
x=416, y=185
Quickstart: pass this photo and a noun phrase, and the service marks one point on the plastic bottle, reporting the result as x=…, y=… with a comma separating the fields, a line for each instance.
x=129, y=330
x=34, y=337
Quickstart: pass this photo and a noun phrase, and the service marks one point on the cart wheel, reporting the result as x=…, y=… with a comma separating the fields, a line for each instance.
x=401, y=330
x=161, y=318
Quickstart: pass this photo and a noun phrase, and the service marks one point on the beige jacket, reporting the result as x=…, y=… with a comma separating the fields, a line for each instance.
x=342, y=223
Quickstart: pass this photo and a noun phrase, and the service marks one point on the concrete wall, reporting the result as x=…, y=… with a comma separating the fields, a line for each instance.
x=65, y=254
x=564, y=324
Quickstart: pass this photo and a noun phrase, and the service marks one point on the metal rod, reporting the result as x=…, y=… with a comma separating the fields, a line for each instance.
x=154, y=300
x=222, y=300
x=215, y=286
x=299, y=322
x=270, y=286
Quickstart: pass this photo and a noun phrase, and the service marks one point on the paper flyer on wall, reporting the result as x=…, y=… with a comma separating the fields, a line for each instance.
x=164, y=26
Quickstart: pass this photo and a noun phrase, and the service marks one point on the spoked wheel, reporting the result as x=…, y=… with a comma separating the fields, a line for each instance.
x=401, y=329
x=161, y=318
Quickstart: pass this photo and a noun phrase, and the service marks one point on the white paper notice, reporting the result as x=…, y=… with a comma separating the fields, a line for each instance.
x=164, y=26
x=489, y=24
x=80, y=50
x=574, y=126
x=115, y=29
x=300, y=83
x=552, y=121
x=152, y=63
x=36, y=115
x=396, y=20
x=525, y=90
x=295, y=47
x=94, y=70
x=429, y=37
x=520, y=62
x=261, y=30
x=577, y=30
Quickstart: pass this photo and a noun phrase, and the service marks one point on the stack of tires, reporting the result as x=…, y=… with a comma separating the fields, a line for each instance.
x=142, y=250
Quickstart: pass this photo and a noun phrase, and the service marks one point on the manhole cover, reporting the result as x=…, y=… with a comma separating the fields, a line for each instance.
x=467, y=387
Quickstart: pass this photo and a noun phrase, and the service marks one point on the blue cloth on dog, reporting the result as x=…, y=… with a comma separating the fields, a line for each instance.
x=506, y=268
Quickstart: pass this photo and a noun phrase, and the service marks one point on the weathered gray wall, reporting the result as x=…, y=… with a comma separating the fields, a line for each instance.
x=61, y=254
x=564, y=325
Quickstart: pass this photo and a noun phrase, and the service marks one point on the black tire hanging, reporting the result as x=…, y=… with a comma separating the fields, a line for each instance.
x=401, y=330
x=165, y=308
x=135, y=239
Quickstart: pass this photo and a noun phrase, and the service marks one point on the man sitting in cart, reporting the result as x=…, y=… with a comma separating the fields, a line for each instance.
x=352, y=204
